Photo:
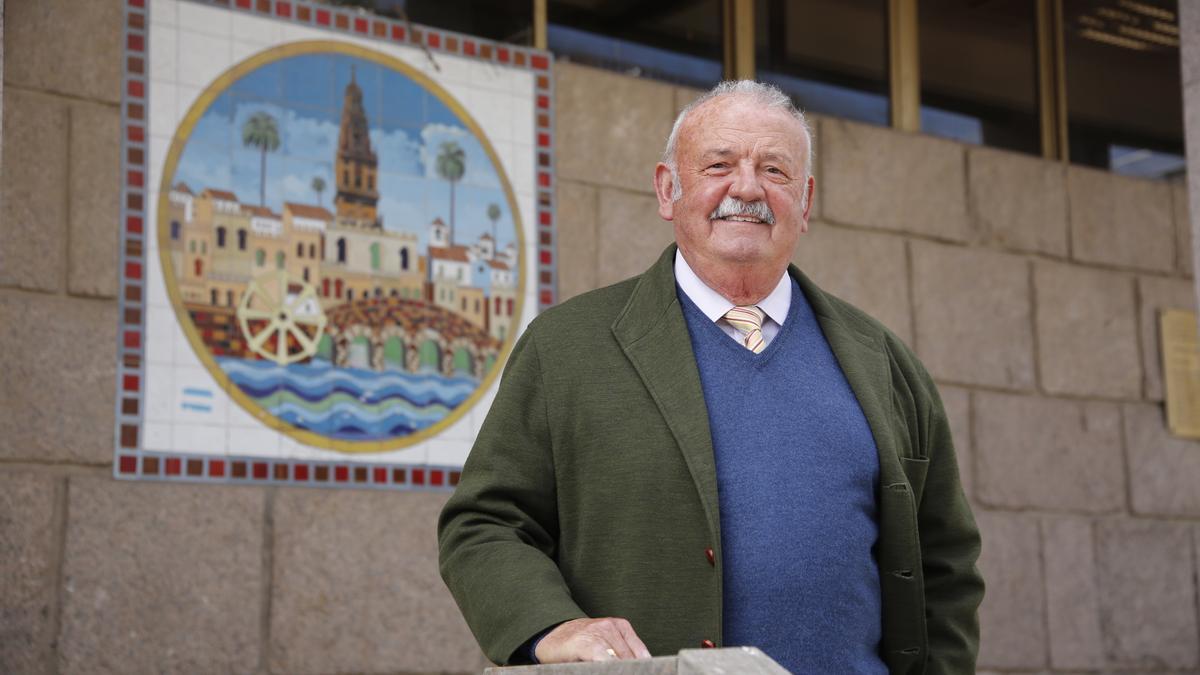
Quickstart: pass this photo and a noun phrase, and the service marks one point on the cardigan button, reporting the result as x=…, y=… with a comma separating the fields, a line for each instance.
x=712, y=557
x=707, y=644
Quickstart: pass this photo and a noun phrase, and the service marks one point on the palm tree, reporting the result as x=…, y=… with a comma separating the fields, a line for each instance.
x=260, y=131
x=318, y=186
x=493, y=214
x=451, y=164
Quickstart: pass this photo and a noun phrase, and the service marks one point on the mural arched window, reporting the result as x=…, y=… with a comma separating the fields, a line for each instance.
x=375, y=261
x=312, y=250
x=221, y=237
x=337, y=289
x=404, y=259
x=174, y=229
x=241, y=240
x=229, y=298
x=192, y=246
x=341, y=252
x=279, y=259
x=212, y=296
x=300, y=250
x=199, y=268
x=260, y=257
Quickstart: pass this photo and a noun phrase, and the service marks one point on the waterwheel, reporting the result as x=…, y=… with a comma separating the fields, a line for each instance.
x=281, y=318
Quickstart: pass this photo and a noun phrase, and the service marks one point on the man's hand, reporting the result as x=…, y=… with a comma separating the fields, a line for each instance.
x=591, y=640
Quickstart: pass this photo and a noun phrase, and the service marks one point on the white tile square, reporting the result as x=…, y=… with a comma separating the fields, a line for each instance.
x=159, y=338
x=164, y=54
x=293, y=32
x=202, y=57
x=412, y=455
x=255, y=29
x=260, y=442
x=156, y=436
x=186, y=97
x=203, y=19
x=156, y=292
x=198, y=398
x=198, y=438
x=164, y=111
x=157, y=399
x=447, y=453
x=163, y=12
x=241, y=50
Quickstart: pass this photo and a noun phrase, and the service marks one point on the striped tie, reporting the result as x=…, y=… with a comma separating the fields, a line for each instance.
x=748, y=321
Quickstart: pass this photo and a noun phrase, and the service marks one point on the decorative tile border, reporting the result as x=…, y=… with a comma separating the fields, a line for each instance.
x=131, y=461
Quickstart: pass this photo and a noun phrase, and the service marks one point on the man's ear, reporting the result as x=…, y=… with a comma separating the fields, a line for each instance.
x=663, y=186
x=809, y=189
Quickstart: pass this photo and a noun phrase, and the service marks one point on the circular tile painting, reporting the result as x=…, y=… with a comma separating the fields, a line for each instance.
x=341, y=246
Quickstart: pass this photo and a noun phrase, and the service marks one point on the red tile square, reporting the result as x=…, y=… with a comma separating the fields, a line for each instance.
x=134, y=224
x=544, y=218
x=149, y=466
x=436, y=477
x=469, y=48
x=540, y=62
x=323, y=17
x=260, y=470
x=216, y=468
x=173, y=465
x=301, y=471
x=418, y=476
x=243, y=4
x=130, y=382
x=433, y=40
x=133, y=270
x=502, y=54
x=134, y=178
x=360, y=25
x=127, y=464
x=454, y=477
x=543, y=140
x=133, y=339
x=281, y=471
x=547, y=298
x=397, y=32
x=136, y=88
x=380, y=474
x=283, y=9
x=543, y=101
x=341, y=474
x=195, y=467
x=137, y=3
x=136, y=43
x=136, y=134
x=544, y=179
x=399, y=476
x=239, y=469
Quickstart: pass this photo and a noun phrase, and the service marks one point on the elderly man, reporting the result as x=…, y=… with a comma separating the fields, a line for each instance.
x=717, y=452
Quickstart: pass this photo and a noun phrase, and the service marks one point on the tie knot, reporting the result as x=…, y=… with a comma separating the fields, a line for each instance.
x=748, y=321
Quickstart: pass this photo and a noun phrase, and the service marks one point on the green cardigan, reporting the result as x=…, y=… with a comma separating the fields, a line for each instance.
x=591, y=489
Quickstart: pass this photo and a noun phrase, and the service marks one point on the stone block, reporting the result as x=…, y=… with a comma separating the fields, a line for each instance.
x=1072, y=597
x=876, y=177
x=1157, y=293
x=57, y=391
x=65, y=46
x=1087, y=332
x=867, y=269
x=1034, y=452
x=161, y=578
x=576, y=215
x=33, y=208
x=1018, y=201
x=1164, y=471
x=1012, y=616
x=630, y=235
x=29, y=515
x=356, y=586
x=1184, y=254
x=1117, y=220
x=1148, y=603
x=95, y=205
x=611, y=128
x=973, y=315
x=957, y=403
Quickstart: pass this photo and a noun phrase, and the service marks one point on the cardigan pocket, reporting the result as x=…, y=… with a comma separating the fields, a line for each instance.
x=915, y=469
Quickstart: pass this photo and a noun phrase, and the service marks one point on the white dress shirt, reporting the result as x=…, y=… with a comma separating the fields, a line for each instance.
x=714, y=305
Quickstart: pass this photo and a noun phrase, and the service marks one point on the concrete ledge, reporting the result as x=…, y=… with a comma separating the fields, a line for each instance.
x=740, y=660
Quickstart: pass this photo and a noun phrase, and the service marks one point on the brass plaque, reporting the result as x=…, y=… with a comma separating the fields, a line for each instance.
x=1181, y=371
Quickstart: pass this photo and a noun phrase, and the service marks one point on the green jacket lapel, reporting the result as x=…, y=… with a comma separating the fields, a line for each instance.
x=652, y=333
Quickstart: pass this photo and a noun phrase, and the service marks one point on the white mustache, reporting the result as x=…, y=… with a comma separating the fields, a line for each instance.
x=732, y=206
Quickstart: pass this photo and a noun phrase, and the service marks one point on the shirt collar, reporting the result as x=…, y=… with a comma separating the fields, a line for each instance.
x=714, y=305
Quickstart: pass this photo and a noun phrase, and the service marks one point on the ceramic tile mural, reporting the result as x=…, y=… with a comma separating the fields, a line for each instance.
x=335, y=227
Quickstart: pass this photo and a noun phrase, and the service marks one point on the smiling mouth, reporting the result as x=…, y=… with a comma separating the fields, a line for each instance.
x=741, y=219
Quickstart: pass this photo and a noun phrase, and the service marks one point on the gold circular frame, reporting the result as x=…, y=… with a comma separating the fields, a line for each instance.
x=179, y=142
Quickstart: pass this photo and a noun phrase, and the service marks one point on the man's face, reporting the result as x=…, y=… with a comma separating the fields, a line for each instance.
x=733, y=148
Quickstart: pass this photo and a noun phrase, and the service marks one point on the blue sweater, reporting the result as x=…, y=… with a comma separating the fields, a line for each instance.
x=797, y=470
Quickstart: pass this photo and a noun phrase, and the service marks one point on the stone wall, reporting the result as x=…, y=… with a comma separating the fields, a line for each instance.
x=1028, y=288
x=1030, y=291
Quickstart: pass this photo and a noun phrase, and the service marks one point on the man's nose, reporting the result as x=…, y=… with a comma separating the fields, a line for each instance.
x=745, y=184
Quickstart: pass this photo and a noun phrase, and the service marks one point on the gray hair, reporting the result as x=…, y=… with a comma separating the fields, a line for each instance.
x=766, y=95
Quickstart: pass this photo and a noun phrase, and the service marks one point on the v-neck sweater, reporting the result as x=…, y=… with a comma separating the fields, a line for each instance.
x=797, y=470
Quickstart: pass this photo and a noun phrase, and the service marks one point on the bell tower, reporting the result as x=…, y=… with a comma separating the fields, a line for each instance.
x=356, y=164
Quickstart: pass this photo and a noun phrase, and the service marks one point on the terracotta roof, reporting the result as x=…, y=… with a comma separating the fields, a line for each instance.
x=308, y=211
x=455, y=253
x=182, y=187
x=219, y=194
x=260, y=211
x=486, y=236
x=438, y=221
x=498, y=265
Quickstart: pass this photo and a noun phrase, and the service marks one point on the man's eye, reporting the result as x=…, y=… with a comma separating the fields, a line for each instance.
x=718, y=165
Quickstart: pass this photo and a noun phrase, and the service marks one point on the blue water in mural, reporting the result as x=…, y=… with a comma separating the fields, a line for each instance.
x=350, y=404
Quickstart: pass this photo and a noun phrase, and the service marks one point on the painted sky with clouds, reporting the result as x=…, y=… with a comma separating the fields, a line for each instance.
x=304, y=94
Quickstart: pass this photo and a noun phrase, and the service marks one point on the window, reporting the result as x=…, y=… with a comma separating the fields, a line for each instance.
x=241, y=240
x=345, y=176
x=204, y=248
x=220, y=237
x=299, y=250
x=312, y=251
x=279, y=260
x=370, y=181
x=404, y=259
x=676, y=42
x=350, y=294
x=510, y=307
x=229, y=298
x=175, y=230
x=1124, y=99
x=341, y=249
x=497, y=309
x=464, y=304
x=830, y=56
x=198, y=268
x=260, y=257
x=192, y=246
x=325, y=287
x=306, y=273
x=979, y=73
x=375, y=258
x=338, y=288
x=212, y=297
x=357, y=175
